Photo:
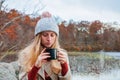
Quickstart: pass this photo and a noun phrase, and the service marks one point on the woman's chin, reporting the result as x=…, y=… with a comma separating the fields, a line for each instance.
x=48, y=46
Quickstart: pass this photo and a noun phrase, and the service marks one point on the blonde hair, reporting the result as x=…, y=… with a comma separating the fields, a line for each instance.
x=28, y=56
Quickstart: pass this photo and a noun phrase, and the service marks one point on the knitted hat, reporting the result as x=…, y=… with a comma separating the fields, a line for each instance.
x=46, y=24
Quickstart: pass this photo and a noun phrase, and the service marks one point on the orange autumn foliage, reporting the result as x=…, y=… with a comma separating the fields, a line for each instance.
x=27, y=20
x=13, y=13
x=10, y=31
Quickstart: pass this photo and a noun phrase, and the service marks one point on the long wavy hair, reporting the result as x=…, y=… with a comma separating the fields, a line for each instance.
x=29, y=55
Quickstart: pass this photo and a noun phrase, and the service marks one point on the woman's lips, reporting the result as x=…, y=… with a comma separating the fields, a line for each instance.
x=48, y=43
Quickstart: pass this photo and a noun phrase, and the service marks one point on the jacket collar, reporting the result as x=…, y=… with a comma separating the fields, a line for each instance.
x=47, y=67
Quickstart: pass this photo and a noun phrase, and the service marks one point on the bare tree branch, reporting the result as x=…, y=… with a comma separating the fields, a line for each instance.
x=1, y=3
x=10, y=22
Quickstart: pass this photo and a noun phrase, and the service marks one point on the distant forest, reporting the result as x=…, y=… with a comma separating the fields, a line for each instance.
x=17, y=31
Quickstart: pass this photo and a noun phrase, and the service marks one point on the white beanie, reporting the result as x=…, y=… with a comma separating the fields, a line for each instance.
x=46, y=24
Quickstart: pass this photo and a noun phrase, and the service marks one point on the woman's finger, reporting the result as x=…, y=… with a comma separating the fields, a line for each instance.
x=61, y=56
x=43, y=51
x=62, y=60
x=45, y=54
x=45, y=57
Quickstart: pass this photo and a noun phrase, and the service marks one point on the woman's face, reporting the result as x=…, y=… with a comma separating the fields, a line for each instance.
x=48, y=38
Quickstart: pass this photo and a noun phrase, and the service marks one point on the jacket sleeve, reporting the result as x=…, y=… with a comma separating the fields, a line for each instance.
x=64, y=69
x=65, y=74
x=66, y=77
x=22, y=74
x=33, y=73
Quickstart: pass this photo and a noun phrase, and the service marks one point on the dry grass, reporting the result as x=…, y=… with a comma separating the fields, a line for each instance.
x=92, y=55
x=8, y=56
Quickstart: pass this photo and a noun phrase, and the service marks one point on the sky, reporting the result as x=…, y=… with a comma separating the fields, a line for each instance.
x=90, y=10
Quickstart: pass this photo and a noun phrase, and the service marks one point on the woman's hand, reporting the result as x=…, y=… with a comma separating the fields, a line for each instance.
x=62, y=56
x=42, y=58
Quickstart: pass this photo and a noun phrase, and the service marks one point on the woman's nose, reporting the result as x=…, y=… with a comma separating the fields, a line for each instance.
x=49, y=38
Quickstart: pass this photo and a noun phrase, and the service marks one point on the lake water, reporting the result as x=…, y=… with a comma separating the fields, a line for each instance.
x=114, y=54
x=112, y=75
x=112, y=68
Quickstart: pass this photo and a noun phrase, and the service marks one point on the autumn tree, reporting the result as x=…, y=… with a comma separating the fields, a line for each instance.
x=93, y=29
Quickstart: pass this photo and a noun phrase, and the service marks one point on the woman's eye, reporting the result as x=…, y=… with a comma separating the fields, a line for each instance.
x=52, y=35
x=44, y=34
x=48, y=34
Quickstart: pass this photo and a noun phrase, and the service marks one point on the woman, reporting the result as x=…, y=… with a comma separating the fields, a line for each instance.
x=34, y=58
